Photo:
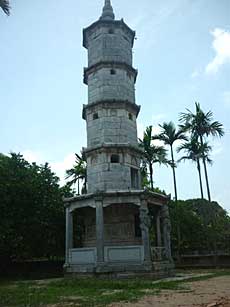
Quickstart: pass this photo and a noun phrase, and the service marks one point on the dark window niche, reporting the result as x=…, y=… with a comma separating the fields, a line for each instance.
x=137, y=226
x=115, y=159
x=113, y=72
x=134, y=178
x=130, y=116
x=95, y=116
x=111, y=31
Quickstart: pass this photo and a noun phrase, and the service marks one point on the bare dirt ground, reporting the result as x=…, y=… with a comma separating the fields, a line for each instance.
x=214, y=292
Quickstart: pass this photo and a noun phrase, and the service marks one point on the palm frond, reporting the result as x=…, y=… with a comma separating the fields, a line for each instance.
x=5, y=5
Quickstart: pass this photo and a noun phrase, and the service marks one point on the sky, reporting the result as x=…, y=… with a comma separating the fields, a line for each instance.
x=182, y=53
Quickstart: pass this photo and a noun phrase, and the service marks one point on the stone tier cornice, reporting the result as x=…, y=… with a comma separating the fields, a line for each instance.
x=101, y=22
x=108, y=146
x=151, y=197
x=112, y=103
x=109, y=64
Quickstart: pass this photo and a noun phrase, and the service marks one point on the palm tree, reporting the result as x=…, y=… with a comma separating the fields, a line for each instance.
x=151, y=153
x=5, y=6
x=201, y=124
x=77, y=173
x=169, y=136
x=194, y=152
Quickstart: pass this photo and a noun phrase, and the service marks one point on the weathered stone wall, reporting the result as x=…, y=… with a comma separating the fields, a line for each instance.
x=104, y=175
x=108, y=83
x=109, y=43
x=119, y=226
x=113, y=125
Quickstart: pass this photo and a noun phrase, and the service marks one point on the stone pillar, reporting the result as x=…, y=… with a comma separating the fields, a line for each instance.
x=99, y=229
x=158, y=224
x=166, y=231
x=69, y=234
x=144, y=225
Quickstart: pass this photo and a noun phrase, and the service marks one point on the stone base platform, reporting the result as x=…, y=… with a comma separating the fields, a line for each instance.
x=154, y=270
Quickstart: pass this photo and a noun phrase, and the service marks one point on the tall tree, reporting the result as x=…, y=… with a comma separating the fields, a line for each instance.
x=169, y=135
x=77, y=173
x=194, y=152
x=151, y=153
x=32, y=212
x=5, y=6
x=201, y=124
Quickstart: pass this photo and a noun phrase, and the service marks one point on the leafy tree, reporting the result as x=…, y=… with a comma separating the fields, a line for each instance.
x=5, y=6
x=169, y=135
x=201, y=124
x=203, y=227
x=77, y=173
x=187, y=231
x=151, y=154
x=32, y=220
x=194, y=152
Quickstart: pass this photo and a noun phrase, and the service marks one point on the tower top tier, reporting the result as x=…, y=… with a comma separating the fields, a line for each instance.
x=107, y=20
x=107, y=13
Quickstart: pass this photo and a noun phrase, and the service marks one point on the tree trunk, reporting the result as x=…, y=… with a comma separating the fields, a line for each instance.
x=200, y=179
x=179, y=241
x=151, y=174
x=174, y=173
x=206, y=172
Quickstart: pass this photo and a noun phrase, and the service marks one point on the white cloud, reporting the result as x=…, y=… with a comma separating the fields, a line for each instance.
x=58, y=167
x=32, y=156
x=226, y=97
x=221, y=45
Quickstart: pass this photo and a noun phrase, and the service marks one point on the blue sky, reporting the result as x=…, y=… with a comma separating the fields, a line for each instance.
x=182, y=53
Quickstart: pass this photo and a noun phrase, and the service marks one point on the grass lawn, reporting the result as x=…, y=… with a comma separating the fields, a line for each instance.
x=84, y=292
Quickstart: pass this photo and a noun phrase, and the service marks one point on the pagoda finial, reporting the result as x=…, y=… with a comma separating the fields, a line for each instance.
x=107, y=13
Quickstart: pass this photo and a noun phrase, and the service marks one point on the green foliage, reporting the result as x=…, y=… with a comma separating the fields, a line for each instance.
x=77, y=173
x=201, y=125
x=198, y=225
x=32, y=213
x=169, y=135
x=195, y=151
x=151, y=154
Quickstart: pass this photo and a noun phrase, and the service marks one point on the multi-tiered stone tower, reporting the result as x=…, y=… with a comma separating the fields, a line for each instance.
x=107, y=229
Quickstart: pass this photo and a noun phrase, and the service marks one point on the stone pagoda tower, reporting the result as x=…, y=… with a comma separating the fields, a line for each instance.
x=108, y=229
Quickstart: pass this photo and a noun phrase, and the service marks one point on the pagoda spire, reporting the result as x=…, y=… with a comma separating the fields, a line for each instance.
x=107, y=13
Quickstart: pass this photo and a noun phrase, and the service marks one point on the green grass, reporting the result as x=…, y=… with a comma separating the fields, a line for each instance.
x=84, y=292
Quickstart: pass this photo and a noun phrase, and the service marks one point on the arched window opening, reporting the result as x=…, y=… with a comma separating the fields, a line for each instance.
x=115, y=159
x=130, y=116
x=95, y=116
x=113, y=72
x=111, y=31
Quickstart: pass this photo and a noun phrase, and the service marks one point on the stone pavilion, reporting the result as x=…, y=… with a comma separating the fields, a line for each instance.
x=109, y=230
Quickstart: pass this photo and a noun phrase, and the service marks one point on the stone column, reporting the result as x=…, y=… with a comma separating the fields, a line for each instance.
x=166, y=231
x=99, y=229
x=144, y=225
x=158, y=224
x=69, y=234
